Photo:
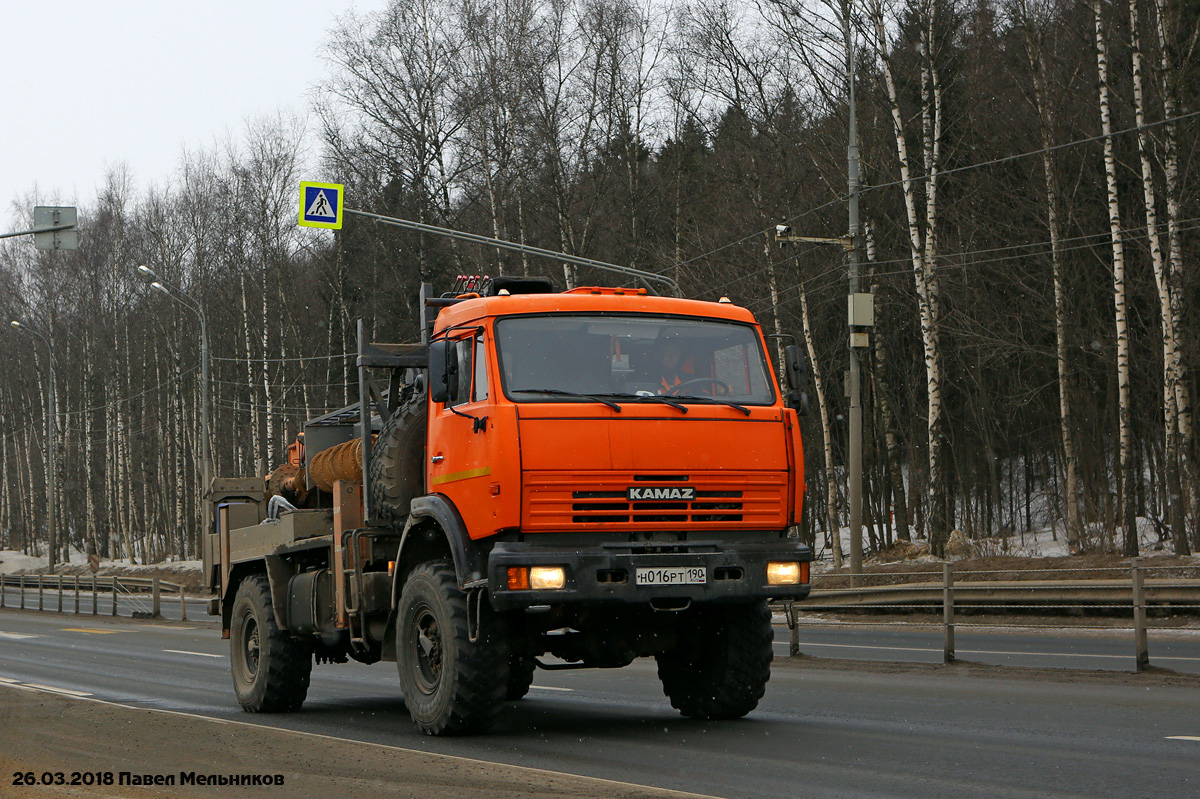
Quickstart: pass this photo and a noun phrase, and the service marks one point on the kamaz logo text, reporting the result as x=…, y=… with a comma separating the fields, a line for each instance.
x=672, y=492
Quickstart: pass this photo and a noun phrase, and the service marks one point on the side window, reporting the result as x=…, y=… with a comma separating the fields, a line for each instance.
x=461, y=363
x=479, y=390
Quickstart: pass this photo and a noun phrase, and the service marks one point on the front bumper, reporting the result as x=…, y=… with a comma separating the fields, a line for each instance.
x=606, y=574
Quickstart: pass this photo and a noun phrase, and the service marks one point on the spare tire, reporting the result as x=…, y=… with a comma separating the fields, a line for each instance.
x=398, y=461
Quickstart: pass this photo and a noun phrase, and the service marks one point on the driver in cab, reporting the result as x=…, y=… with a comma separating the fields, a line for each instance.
x=668, y=361
x=672, y=368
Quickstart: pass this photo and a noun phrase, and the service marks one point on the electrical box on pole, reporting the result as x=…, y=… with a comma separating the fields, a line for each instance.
x=861, y=309
x=54, y=228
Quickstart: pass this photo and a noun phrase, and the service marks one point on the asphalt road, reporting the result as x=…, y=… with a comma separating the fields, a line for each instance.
x=825, y=728
x=1059, y=648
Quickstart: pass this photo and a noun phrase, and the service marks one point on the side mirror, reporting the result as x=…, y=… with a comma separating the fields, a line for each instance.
x=439, y=386
x=794, y=368
x=795, y=371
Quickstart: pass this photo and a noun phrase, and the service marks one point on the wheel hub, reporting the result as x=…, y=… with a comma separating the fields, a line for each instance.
x=429, y=650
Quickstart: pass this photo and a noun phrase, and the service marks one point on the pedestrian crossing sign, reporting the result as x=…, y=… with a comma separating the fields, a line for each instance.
x=321, y=205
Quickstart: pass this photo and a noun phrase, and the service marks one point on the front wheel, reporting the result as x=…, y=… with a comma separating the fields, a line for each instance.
x=451, y=684
x=270, y=668
x=720, y=667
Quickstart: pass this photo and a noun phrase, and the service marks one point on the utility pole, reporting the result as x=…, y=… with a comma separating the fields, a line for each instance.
x=51, y=447
x=860, y=309
x=857, y=339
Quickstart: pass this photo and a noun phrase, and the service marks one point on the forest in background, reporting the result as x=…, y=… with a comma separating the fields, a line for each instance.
x=1029, y=195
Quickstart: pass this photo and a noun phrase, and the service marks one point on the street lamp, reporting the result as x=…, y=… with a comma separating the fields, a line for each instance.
x=180, y=296
x=52, y=458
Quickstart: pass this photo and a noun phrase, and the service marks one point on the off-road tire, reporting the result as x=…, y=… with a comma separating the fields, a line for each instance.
x=398, y=461
x=520, y=676
x=451, y=685
x=720, y=668
x=270, y=668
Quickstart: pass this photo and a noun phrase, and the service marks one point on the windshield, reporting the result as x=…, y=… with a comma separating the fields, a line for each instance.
x=556, y=358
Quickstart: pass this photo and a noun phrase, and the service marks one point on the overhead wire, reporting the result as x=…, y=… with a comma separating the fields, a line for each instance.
x=940, y=173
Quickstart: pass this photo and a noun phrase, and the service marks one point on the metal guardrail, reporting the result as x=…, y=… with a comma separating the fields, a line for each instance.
x=37, y=585
x=1138, y=593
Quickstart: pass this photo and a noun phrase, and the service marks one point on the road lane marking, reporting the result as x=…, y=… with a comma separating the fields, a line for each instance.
x=52, y=689
x=9, y=681
x=985, y=651
x=389, y=747
x=91, y=630
x=1184, y=738
x=975, y=651
x=549, y=688
x=18, y=636
x=861, y=646
x=200, y=654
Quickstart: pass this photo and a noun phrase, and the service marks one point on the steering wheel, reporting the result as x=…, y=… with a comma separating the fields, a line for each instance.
x=714, y=381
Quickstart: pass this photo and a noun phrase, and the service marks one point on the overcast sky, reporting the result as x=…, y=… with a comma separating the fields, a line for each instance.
x=89, y=84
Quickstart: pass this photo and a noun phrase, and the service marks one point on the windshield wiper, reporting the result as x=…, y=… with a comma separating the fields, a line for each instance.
x=652, y=398
x=715, y=401
x=555, y=392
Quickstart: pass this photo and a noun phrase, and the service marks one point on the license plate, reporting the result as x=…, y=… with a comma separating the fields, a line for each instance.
x=688, y=575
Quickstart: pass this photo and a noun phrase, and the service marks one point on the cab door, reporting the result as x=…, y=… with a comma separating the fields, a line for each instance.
x=459, y=446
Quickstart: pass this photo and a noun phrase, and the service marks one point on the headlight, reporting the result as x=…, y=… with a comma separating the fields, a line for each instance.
x=783, y=573
x=542, y=578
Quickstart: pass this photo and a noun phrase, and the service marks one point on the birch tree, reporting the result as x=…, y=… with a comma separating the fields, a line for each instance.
x=922, y=233
x=1125, y=479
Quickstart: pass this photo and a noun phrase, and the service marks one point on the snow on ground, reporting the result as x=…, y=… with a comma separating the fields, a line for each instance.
x=12, y=561
x=1046, y=543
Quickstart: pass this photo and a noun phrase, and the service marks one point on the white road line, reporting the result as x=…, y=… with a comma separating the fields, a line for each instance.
x=198, y=654
x=1183, y=738
x=985, y=651
x=52, y=689
x=549, y=688
x=10, y=681
x=419, y=752
x=861, y=646
x=967, y=651
x=18, y=636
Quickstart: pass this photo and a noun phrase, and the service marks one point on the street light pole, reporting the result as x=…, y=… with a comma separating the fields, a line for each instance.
x=206, y=467
x=51, y=447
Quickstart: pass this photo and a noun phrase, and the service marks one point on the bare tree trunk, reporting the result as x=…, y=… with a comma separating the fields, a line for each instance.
x=268, y=399
x=256, y=446
x=1072, y=495
x=883, y=401
x=923, y=274
x=1124, y=422
x=1170, y=158
x=1176, y=508
x=833, y=535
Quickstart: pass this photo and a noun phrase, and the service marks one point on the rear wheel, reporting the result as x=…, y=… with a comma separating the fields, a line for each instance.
x=270, y=668
x=720, y=668
x=451, y=684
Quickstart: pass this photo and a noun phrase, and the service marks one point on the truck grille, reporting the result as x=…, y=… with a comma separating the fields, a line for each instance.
x=556, y=501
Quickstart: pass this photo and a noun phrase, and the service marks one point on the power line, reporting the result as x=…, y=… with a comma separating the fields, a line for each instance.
x=1040, y=151
x=954, y=170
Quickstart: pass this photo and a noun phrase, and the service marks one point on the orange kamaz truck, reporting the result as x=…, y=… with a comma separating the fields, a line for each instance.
x=547, y=480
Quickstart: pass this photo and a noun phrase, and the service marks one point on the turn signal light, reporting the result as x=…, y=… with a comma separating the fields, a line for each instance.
x=518, y=578
x=783, y=573
x=542, y=578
